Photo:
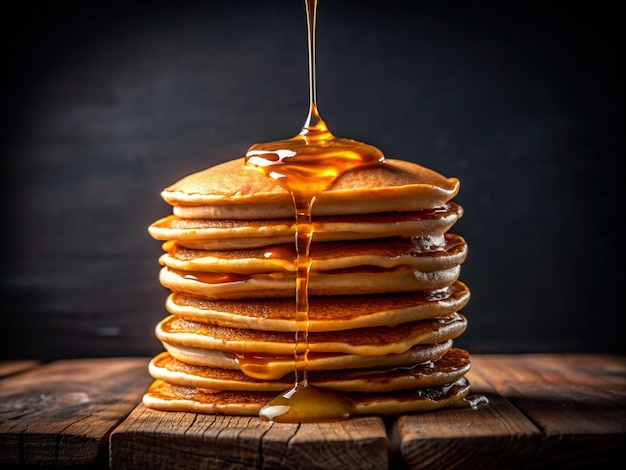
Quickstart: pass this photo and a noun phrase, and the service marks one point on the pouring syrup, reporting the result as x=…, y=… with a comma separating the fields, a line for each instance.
x=305, y=165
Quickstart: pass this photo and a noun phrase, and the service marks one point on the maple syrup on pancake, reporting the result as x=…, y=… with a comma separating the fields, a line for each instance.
x=305, y=165
x=264, y=368
x=208, y=277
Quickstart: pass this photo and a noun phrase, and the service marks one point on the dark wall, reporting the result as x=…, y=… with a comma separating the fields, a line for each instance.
x=106, y=103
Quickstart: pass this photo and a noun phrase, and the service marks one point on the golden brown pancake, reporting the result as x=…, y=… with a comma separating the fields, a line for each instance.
x=383, y=295
x=361, y=267
x=164, y=396
x=234, y=234
x=373, y=341
x=362, y=280
x=266, y=367
x=329, y=256
x=447, y=369
x=326, y=313
x=232, y=190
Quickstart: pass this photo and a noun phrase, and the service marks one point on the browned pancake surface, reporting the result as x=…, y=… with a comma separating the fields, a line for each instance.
x=232, y=182
x=449, y=368
x=365, y=341
x=390, y=247
x=164, y=396
x=326, y=313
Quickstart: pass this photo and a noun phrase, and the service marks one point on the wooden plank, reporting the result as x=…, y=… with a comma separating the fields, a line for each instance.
x=493, y=435
x=15, y=367
x=156, y=439
x=545, y=411
x=578, y=401
x=62, y=413
x=360, y=442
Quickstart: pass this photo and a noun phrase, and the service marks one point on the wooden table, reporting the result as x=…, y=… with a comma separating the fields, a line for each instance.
x=545, y=411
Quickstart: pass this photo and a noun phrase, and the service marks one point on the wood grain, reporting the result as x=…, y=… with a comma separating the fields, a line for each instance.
x=494, y=435
x=14, y=367
x=62, y=413
x=545, y=411
x=577, y=401
x=155, y=439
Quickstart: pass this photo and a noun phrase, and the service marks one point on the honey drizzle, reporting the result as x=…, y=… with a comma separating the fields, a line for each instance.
x=305, y=165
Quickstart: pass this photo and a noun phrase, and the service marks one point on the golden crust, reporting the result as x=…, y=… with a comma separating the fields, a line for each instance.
x=385, y=253
x=327, y=313
x=236, y=233
x=373, y=341
x=358, y=281
x=280, y=366
x=233, y=190
x=447, y=369
x=167, y=397
x=229, y=264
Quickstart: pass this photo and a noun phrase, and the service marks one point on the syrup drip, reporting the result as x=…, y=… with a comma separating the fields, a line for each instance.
x=305, y=165
x=208, y=277
x=265, y=368
x=473, y=402
x=279, y=252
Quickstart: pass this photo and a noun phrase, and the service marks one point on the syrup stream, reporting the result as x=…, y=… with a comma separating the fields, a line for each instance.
x=305, y=165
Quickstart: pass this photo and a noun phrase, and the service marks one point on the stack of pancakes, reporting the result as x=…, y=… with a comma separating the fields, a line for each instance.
x=384, y=294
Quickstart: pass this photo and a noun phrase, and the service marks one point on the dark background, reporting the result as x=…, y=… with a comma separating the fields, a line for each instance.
x=106, y=103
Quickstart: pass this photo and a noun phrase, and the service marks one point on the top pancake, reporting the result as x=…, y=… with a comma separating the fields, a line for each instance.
x=232, y=190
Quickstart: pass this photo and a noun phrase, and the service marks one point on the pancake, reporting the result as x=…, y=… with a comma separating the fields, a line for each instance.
x=384, y=299
x=167, y=397
x=373, y=341
x=279, y=366
x=232, y=190
x=243, y=233
x=362, y=280
x=383, y=253
x=447, y=369
x=326, y=313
